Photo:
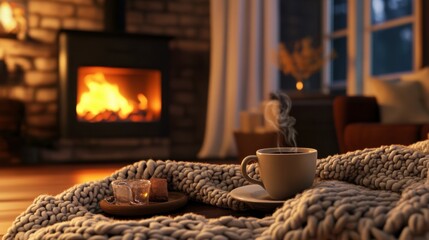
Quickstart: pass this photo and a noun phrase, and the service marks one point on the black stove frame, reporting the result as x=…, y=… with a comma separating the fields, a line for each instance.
x=80, y=48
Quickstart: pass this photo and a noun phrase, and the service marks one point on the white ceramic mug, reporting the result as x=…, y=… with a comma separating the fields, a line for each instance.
x=284, y=171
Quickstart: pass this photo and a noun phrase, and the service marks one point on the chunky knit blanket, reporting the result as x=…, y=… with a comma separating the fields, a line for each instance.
x=379, y=193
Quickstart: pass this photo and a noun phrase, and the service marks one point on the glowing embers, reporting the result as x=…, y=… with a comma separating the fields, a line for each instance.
x=118, y=94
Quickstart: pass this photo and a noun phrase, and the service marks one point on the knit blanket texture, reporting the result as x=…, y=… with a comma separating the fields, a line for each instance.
x=377, y=193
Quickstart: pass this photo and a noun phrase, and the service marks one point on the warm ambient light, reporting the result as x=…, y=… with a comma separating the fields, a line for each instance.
x=7, y=20
x=88, y=175
x=12, y=19
x=299, y=86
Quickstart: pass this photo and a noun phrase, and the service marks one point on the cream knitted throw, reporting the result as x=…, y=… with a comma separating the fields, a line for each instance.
x=380, y=193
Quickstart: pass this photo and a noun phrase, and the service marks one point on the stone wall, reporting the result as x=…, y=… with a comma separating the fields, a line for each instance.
x=33, y=67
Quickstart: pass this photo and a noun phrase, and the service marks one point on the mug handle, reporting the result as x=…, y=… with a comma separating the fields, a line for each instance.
x=247, y=160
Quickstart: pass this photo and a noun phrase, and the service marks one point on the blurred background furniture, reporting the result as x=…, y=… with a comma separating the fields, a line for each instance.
x=249, y=143
x=314, y=126
x=314, y=122
x=11, y=120
x=358, y=125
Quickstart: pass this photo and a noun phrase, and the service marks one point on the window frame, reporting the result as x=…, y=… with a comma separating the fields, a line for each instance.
x=328, y=35
x=414, y=19
x=358, y=34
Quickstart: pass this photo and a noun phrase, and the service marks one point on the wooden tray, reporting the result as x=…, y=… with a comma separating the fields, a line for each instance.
x=175, y=201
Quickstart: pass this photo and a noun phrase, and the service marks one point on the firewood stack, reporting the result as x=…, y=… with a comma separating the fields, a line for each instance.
x=11, y=120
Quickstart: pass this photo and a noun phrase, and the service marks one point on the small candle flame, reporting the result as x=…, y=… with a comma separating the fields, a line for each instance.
x=299, y=85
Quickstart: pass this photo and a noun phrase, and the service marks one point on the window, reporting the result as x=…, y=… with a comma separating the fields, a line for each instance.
x=335, y=40
x=392, y=37
x=386, y=31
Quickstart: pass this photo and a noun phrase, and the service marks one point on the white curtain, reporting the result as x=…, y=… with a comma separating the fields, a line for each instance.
x=243, y=71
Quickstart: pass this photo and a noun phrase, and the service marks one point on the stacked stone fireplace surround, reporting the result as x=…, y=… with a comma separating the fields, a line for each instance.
x=33, y=77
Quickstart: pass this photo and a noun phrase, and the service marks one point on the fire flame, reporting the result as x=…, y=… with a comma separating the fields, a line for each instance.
x=143, y=101
x=103, y=97
x=7, y=19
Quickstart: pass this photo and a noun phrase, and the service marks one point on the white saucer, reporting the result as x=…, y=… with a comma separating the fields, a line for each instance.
x=256, y=197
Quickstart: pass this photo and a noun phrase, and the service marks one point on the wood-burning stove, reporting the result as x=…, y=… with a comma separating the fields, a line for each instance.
x=113, y=85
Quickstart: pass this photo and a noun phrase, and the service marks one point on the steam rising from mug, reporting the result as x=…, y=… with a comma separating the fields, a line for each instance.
x=276, y=113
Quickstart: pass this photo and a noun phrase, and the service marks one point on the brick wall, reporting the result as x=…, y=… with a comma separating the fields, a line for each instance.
x=32, y=63
x=188, y=22
x=33, y=67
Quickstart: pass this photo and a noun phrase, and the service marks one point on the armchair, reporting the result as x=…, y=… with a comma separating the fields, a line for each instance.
x=358, y=126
